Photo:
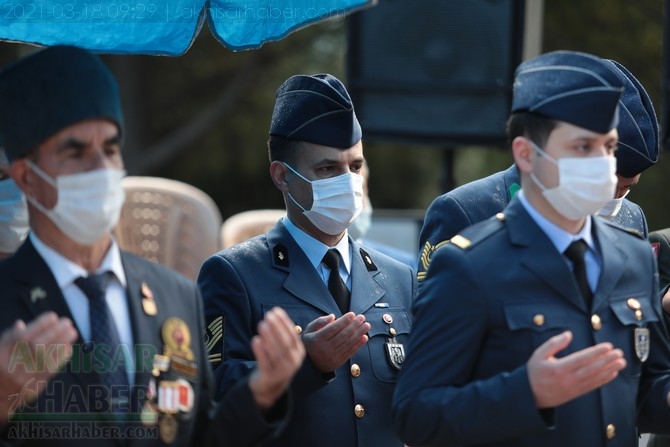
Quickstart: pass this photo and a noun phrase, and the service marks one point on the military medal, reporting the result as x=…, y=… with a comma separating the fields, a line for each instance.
x=148, y=303
x=161, y=363
x=642, y=343
x=184, y=367
x=167, y=428
x=170, y=400
x=175, y=396
x=177, y=339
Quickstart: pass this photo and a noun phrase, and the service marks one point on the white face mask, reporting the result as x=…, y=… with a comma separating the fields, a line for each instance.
x=612, y=207
x=585, y=184
x=13, y=216
x=361, y=225
x=89, y=203
x=337, y=201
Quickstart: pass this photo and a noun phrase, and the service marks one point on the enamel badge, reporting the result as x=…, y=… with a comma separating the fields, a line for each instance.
x=395, y=352
x=642, y=343
x=148, y=303
x=177, y=339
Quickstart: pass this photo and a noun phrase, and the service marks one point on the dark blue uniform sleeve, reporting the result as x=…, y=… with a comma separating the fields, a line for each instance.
x=444, y=219
x=231, y=318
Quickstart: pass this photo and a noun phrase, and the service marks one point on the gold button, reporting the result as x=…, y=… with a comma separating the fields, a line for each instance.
x=388, y=319
x=359, y=411
x=298, y=329
x=610, y=431
x=500, y=217
x=355, y=370
x=596, y=323
x=638, y=315
x=538, y=320
x=633, y=304
x=392, y=331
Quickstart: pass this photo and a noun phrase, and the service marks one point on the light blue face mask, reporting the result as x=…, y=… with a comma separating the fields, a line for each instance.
x=337, y=201
x=14, y=223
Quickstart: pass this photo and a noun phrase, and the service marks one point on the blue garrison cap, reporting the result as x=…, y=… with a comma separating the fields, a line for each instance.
x=569, y=86
x=638, y=127
x=50, y=90
x=316, y=109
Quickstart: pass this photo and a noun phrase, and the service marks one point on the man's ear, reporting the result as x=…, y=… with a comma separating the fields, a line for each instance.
x=278, y=175
x=524, y=153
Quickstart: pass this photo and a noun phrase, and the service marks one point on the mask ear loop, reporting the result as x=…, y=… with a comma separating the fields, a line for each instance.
x=543, y=154
x=47, y=178
x=289, y=194
x=43, y=175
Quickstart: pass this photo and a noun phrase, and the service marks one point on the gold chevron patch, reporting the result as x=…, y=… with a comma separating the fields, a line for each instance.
x=426, y=254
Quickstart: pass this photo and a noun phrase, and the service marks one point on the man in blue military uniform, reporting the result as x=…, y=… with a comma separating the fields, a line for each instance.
x=509, y=346
x=138, y=372
x=483, y=198
x=354, y=317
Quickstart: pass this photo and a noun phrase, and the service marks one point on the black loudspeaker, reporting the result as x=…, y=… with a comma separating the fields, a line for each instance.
x=435, y=71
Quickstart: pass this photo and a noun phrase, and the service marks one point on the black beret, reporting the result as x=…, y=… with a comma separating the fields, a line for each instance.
x=638, y=127
x=50, y=90
x=569, y=86
x=316, y=109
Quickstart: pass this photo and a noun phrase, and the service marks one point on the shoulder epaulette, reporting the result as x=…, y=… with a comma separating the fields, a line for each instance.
x=628, y=230
x=464, y=240
x=476, y=233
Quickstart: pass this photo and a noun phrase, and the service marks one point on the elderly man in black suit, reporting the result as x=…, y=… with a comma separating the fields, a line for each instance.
x=138, y=372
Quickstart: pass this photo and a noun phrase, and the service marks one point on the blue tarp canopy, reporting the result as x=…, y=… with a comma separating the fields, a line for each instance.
x=166, y=27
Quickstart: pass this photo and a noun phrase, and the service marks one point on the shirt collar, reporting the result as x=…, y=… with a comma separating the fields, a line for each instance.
x=315, y=249
x=66, y=272
x=558, y=236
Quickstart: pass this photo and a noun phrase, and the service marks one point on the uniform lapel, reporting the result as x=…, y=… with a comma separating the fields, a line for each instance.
x=540, y=255
x=365, y=290
x=145, y=330
x=38, y=288
x=302, y=279
x=40, y=293
x=614, y=262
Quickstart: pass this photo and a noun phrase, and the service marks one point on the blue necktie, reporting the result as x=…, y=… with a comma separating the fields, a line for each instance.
x=337, y=287
x=104, y=332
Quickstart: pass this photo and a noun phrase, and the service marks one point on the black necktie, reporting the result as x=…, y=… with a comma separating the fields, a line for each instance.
x=336, y=286
x=575, y=253
x=103, y=332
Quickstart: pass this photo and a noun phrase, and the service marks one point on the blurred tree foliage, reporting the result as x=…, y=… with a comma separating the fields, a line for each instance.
x=203, y=117
x=632, y=34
